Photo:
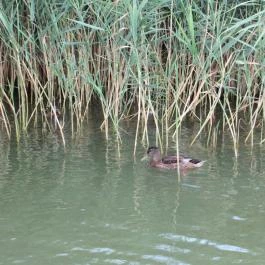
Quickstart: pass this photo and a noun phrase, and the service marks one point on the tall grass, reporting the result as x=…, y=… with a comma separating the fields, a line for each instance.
x=169, y=60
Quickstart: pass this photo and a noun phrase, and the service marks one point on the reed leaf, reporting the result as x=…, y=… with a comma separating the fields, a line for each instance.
x=173, y=61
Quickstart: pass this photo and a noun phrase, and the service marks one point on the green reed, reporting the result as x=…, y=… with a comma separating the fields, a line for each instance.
x=169, y=60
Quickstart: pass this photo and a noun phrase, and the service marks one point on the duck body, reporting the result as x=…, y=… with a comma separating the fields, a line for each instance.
x=171, y=162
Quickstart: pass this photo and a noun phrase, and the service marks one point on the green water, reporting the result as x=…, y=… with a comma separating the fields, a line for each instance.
x=93, y=203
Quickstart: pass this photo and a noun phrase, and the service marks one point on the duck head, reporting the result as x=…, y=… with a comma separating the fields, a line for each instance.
x=154, y=154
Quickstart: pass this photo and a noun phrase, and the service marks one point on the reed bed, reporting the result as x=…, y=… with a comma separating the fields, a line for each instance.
x=171, y=61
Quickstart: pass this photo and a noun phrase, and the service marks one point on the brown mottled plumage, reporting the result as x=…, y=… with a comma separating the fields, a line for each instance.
x=171, y=162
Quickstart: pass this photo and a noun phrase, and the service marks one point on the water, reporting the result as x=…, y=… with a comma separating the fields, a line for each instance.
x=93, y=203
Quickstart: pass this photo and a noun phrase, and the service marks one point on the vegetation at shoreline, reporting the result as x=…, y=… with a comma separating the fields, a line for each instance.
x=169, y=60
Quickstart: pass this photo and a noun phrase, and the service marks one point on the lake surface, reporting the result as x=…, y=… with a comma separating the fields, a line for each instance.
x=95, y=203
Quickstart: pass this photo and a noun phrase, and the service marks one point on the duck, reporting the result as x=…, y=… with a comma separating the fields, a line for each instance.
x=171, y=162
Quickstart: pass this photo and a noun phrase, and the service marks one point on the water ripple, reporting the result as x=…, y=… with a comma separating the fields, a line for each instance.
x=106, y=251
x=171, y=249
x=64, y=254
x=79, y=249
x=225, y=247
x=164, y=259
x=238, y=218
x=116, y=261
